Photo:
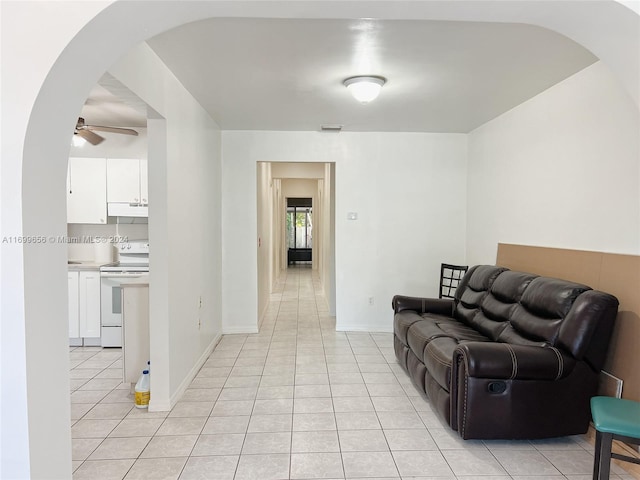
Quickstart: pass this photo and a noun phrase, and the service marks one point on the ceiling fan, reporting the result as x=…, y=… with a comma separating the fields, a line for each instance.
x=87, y=131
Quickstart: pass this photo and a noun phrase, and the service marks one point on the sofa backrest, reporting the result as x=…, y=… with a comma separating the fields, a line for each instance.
x=472, y=289
x=527, y=309
x=500, y=302
x=543, y=307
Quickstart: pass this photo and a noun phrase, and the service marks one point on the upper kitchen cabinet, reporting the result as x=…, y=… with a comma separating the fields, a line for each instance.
x=127, y=181
x=87, y=190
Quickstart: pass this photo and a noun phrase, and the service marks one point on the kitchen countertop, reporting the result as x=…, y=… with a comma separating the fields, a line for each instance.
x=81, y=266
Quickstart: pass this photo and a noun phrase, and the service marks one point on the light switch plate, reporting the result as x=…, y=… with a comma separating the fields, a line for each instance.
x=352, y=215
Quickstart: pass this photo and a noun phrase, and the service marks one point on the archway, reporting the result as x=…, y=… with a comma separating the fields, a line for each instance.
x=38, y=148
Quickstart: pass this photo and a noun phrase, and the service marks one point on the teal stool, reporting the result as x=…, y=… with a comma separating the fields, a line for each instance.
x=614, y=418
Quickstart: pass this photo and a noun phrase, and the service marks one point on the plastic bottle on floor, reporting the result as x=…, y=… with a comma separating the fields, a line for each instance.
x=142, y=390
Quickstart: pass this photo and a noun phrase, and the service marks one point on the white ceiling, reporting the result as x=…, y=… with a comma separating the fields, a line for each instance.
x=286, y=74
x=112, y=108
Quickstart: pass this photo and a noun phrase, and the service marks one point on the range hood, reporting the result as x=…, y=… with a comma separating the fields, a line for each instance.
x=127, y=210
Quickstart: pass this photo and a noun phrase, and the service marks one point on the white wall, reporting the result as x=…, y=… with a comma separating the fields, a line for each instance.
x=561, y=170
x=184, y=228
x=34, y=341
x=408, y=190
x=300, y=188
x=297, y=170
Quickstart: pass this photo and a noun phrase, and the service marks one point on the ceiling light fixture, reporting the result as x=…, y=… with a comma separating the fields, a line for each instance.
x=77, y=140
x=364, y=88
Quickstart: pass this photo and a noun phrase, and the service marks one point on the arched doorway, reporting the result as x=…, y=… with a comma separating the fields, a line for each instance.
x=39, y=146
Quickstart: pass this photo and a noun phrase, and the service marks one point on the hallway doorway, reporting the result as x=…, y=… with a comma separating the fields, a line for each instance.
x=299, y=234
x=295, y=225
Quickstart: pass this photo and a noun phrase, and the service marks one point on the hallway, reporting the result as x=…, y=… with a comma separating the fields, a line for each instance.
x=296, y=401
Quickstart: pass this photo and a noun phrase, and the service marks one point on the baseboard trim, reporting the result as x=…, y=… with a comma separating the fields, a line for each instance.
x=239, y=330
x=191, y=375
x=361, y=328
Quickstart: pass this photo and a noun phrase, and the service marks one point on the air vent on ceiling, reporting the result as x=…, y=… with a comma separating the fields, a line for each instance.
x=331, y=128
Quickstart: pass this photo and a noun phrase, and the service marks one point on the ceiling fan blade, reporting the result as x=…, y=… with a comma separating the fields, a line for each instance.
x=125, y=131
x=92, y=138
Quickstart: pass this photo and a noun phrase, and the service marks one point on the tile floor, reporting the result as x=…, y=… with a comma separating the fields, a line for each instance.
x=296, y=401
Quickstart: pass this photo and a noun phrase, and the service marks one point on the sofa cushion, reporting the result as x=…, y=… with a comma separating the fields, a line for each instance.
x=550, y=297
x=421, y=333
x=472, y=290
x=434, y=343
x=498, y=305
x=402, y=322
x=543, y=306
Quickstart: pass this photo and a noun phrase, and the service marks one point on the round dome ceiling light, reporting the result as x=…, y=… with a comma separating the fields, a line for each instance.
x=364, y=88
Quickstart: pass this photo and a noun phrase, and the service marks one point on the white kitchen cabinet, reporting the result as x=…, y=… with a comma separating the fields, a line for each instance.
x=74, y=312
x=127, y=181
x=84, y=306
x=87, y=190
x=89, y=304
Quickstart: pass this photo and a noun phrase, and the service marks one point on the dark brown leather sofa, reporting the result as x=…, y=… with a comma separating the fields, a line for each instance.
x=512, y=356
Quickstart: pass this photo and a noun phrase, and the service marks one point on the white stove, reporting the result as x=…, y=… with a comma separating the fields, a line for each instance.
x=133, y=264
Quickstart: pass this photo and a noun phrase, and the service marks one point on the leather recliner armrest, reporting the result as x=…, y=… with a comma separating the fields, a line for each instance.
x=508, y=361
x=440, y=306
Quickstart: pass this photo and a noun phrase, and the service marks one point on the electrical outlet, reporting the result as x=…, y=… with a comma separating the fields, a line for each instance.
x=199, y=323
x=200, y=301
x=370, y=300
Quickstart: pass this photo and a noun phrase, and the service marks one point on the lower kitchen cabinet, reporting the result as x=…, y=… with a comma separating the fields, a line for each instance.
x=73, y=282
x=84, y=307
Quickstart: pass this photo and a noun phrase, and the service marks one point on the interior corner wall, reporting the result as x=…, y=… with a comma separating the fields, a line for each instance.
x=185, y=233
x=327, y=268
x=408, y=189
x=263, y=240
x=560, y=170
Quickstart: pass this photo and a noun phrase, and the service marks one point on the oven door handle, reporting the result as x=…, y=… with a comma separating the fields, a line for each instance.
x=122, y=275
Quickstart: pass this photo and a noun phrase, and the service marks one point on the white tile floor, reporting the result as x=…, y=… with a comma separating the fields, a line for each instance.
x=296, y=401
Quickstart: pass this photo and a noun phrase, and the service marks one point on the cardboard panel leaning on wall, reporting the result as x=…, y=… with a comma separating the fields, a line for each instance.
x=620, y=275
x=616, y=274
